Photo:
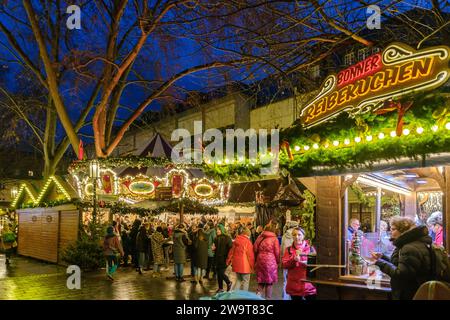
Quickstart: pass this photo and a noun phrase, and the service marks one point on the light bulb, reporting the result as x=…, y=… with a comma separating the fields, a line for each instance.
x=227, y=160
x=358, y=139
x=347, y=141
x=405, y=132
x=393, y=134
x=369, y=138
x=326, y=145
x=434, y=128
x=381, y=135
x=297, y=148
x=419, y=130
x=315, y=146
x=335, y=143
x=447, y=126
x=306, y=148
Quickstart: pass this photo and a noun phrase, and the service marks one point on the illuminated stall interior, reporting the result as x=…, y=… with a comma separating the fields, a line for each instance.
x=373, y=198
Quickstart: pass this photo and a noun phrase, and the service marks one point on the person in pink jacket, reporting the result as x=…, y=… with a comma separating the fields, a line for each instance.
x=295, y=260
x=242, y=259
x=267, y=252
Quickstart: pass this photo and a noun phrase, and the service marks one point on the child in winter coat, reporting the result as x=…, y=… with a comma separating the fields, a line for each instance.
x=111, y=248
x=295, y=260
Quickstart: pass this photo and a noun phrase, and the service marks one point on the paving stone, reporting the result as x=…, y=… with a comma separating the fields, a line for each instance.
x=29, y=279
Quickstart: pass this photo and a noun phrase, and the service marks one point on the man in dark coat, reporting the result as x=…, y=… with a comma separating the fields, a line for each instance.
x=410, y=264
x=222, y=244
x=133, y=235
x=192, y=233
x=142, y=247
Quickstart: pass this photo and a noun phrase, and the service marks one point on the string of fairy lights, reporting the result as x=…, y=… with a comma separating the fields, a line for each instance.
x=36, y=200
x=367, y=138
x=132, y=189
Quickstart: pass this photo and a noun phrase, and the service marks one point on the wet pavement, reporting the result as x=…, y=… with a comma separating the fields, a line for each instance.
x=29, y=279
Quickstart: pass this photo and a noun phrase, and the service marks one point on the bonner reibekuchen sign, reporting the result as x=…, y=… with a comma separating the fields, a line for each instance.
x=363, y=87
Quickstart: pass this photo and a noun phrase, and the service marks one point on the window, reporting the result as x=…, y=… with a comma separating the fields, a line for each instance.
x=349, y=58
x=363, y=53
x=314, y=72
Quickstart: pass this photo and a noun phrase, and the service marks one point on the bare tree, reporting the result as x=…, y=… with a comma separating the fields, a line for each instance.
x=132, y=54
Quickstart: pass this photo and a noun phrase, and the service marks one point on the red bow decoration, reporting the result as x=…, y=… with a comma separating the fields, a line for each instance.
x=287, y=148
x=401, y=110
x=80, y=150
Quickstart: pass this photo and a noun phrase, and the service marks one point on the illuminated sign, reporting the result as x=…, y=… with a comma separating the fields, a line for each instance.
x=203, y=190
x=141, y=187
x=361, y=88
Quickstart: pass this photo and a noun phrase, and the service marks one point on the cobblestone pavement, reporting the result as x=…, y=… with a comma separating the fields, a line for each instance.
x=29, y=279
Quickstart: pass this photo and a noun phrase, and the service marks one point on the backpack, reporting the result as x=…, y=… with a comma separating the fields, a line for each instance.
x=440, y=264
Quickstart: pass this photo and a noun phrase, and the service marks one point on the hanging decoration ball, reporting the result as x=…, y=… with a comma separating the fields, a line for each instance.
x=369, y=138
x=406, y=132
x=306, y=148
x=347, y=141
x=434, y=128
x=419, y=130
x=358, y=139
x=393, y=134
x=297, y=148
x=335, y=143
x=315, y=146
x=381, y=135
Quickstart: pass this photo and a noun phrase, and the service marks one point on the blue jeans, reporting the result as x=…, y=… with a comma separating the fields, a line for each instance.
x=111, y=264
x=179, y=267
x=284, y=295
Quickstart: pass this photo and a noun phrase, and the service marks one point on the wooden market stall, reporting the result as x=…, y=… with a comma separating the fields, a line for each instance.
x=44, y=233
x=46, y=225
x=367, y=161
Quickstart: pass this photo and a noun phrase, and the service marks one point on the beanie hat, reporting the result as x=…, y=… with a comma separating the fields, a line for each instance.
x=110, y=230
x=435, y=218
x=222, y=228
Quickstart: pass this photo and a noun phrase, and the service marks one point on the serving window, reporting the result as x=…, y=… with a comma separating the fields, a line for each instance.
x=370, y=200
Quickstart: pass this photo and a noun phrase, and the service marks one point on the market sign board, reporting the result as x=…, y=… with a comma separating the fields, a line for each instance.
x=397, y=71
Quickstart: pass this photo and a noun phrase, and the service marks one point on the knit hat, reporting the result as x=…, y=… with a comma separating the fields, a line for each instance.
x=435, y=218
x=222, y=228
x=301, y=230
x=110, y=230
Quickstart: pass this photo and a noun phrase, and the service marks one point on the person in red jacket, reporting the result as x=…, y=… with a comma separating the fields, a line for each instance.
x=295, y=260
x=267, y=252
x=242, y=259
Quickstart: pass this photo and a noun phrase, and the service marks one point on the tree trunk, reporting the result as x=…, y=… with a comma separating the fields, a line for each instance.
x=49, y=168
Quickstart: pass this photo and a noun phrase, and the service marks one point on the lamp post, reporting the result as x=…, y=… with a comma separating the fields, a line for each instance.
x=94, y=173
x=14, y=192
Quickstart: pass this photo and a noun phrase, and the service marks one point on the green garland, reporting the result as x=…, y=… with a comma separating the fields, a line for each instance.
x=427, y=111
x=189, y=206
x=222, y=172
x=48, y=204
x=129, y=161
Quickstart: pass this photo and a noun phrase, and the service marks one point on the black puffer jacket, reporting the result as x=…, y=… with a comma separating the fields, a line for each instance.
x=410, y=265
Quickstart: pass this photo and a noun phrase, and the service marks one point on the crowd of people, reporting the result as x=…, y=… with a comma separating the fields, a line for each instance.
x=212, y=245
